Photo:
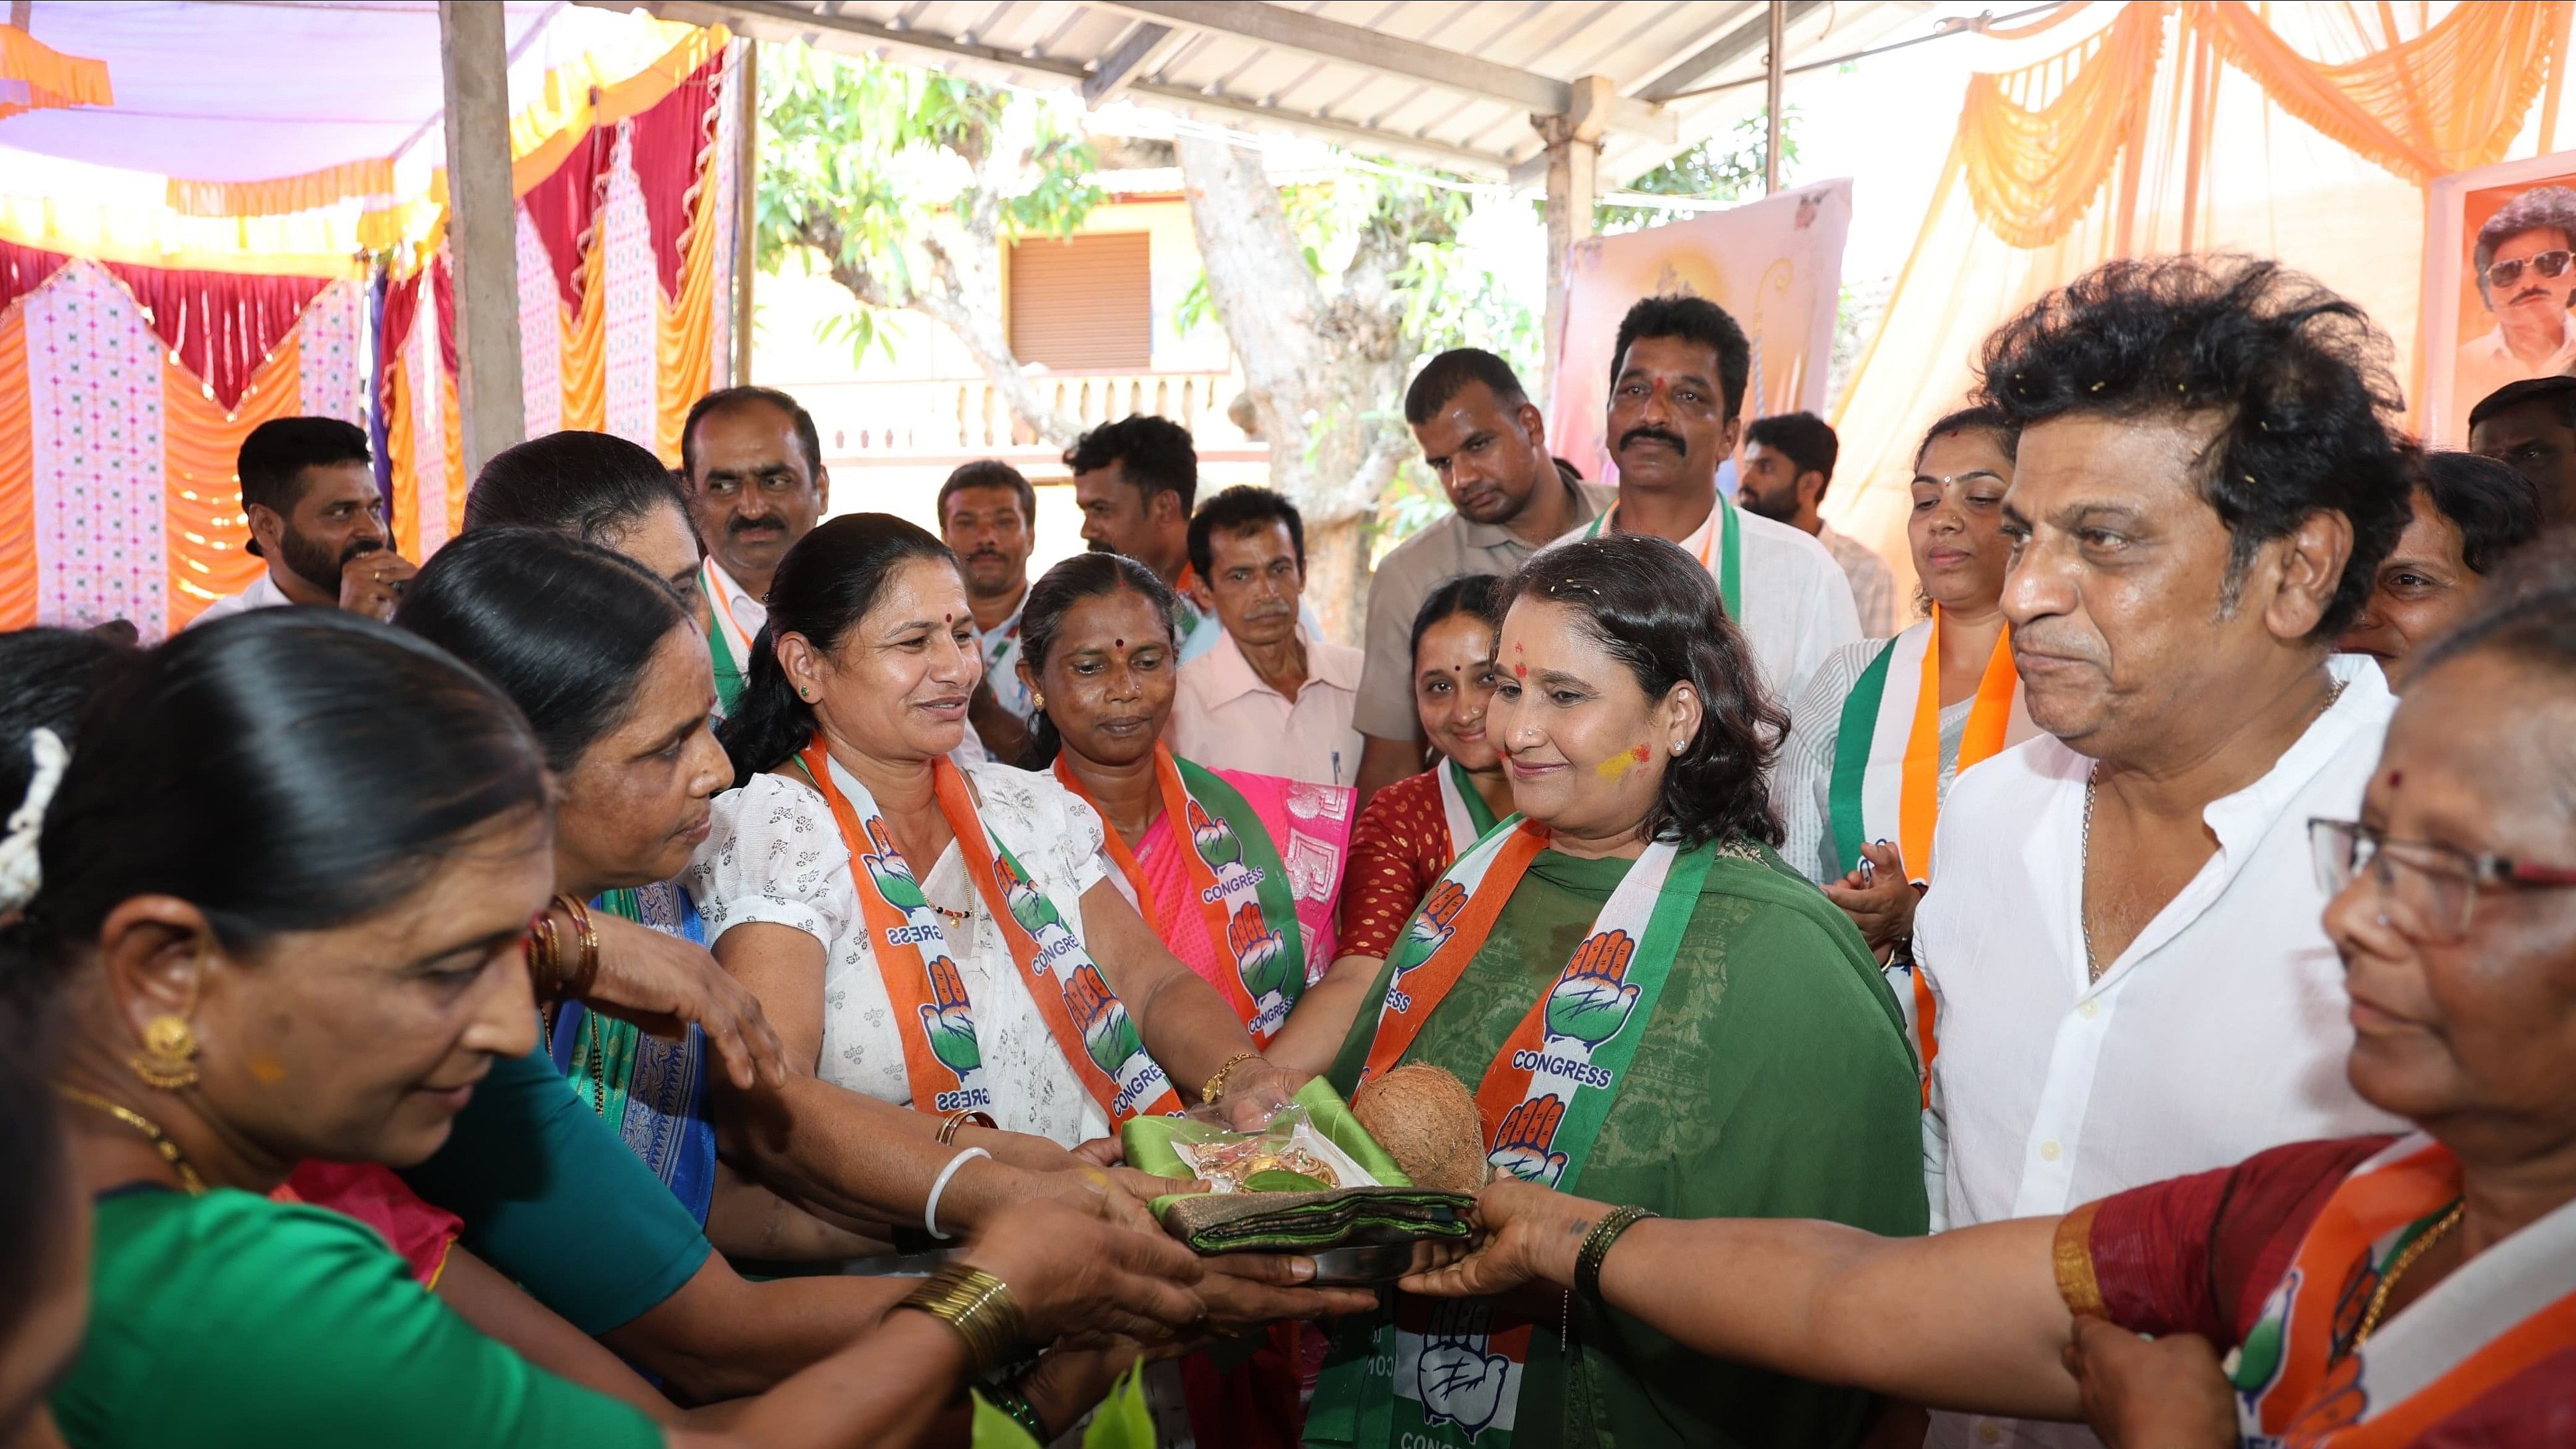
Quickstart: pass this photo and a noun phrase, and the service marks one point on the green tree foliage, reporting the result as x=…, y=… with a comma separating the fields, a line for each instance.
x=905, y=184
x=1722, y=168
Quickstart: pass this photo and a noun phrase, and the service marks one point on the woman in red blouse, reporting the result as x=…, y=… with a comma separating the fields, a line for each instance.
x=1414, y=829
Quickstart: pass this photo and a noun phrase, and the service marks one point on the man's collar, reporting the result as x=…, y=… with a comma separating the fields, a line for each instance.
x=1230, y=676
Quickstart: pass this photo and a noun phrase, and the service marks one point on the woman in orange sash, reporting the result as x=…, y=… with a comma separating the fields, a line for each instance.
x=2369, y=1293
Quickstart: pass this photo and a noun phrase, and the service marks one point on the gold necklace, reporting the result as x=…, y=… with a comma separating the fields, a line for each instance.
x=2406, y=1257
x=168, y=1149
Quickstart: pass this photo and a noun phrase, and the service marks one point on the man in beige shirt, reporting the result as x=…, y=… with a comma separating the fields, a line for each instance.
x=1487, y=444
x=1268, y=696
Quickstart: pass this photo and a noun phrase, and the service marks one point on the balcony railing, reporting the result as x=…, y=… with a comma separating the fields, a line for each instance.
x=944, y=416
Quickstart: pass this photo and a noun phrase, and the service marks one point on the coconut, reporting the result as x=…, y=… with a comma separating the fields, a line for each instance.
x=1426, y=1119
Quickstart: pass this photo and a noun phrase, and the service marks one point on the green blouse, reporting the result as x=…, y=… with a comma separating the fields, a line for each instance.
x=1774, y=1081
x=230, y=1320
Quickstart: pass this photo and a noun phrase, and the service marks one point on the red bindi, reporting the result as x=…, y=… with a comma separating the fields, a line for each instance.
x=1521, y=670
x=2396, y=778
x=1122, y=643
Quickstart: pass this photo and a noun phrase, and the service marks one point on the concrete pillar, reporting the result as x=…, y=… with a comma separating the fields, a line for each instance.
x=746, y=192
x=1573, y=182
x=482, y=228
x=1773, y=64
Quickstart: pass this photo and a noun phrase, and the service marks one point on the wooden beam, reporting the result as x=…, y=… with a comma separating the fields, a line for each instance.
x=1573, y=182
x=1737, y=43
x=1280, y=28
x=746, y=208
x=790, y=24
x=1130, y=60
x=482, y=228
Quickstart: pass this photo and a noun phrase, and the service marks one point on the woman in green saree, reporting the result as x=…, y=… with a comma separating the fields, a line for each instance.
x=1649, y=1003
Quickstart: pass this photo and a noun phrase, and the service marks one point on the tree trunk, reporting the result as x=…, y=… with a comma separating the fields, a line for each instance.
x=1322, y=372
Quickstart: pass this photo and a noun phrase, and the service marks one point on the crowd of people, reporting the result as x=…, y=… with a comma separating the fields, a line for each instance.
x=672, y=967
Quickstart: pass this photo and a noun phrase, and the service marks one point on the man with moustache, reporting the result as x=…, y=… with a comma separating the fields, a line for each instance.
x=987, y=514
x=1678, y=373
x=2522, y=264
x=316, y=517
x=1788, y=465
x=2530, y=427
x=1487, y=444
x=2123, y=932
x=756, y=484
x=1270, y=696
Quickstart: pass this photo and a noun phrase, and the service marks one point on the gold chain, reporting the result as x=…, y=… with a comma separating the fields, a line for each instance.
x=169, y=1150
x=2406, y=1257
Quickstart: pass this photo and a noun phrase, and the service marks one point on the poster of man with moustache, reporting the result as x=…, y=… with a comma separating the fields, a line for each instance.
x=2499, y=273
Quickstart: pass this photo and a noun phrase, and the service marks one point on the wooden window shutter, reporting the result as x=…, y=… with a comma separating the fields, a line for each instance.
x=1085, y=303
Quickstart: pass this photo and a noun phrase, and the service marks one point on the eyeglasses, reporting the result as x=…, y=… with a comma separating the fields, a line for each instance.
x=2548, y=264
x=2425, y=890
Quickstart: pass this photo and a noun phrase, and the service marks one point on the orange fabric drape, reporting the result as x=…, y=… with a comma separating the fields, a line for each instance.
x=2304, y=132
x=2034, y=169
x=17, y=478
x=200, y=442
x=2449, y=99
x=585, y=351
x=53, y=80
x=688, y=321
x=452, y=418
x=400, y=458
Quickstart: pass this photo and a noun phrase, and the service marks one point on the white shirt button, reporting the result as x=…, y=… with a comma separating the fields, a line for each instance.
x=1987, y=1432
x=2089, y=1009
x=2048, y=1151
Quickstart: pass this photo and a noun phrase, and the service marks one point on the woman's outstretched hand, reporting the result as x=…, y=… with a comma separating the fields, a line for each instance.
x=665, y=985
x=1524, y=1234
x=1079, y=1275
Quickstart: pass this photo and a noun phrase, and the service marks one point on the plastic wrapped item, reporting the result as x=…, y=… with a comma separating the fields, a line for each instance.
x=1289, y=1155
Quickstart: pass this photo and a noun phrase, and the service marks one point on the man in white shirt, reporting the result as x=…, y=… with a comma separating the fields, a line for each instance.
x=753, y=462
x=2123, y=931
x=1677, y=381
x=1788, y=465
x=317, y=520
x=1268, y=696
x=987, y=517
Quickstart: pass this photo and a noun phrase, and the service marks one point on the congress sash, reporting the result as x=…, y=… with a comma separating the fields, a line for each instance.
x=728, y=642
x=1454, y=1371
x=943, y=1061
x=2303, y=1384
x=1722, y=555
x=1470, y=818
x=1243, y=891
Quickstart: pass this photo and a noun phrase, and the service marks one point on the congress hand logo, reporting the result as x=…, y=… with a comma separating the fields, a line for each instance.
x=886, y=867
x=949, y=1020
x=1216, y=842
x=1438, y=918
x=1107, y=1032
x=1458, y=1382
x=1522, y=1147
x=1029, y=906
x=1258, y=951
x=1593, y=1001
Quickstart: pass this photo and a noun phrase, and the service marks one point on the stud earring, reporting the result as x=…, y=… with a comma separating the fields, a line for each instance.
x=806, y=695
x=1037, y=701
x=167, y=1062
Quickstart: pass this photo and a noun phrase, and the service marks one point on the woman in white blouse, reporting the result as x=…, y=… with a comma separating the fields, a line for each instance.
x=922, y=933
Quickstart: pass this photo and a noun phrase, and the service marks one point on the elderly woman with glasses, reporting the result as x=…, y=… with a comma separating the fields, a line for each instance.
x=2367, y=1291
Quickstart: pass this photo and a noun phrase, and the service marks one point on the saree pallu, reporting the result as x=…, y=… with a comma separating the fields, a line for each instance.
x=1311, y=827
x=651, y=1091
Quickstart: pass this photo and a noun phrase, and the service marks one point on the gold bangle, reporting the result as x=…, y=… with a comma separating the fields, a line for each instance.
x=1215, y=1087
x=545, y=962
x=979, y=1307
x=577, y=982
x=964, y=1117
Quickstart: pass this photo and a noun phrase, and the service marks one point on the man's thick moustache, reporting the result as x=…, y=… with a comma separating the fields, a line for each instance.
x=1673, y=440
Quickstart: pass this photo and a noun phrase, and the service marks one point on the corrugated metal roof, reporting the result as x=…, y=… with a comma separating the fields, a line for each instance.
x=1450, y=82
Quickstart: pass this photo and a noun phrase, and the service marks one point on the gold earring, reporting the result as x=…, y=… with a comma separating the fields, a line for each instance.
x=1037, y=701
x=167, y=1062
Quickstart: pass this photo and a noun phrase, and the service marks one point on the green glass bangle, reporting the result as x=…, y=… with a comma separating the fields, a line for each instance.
x=1016, y=1406
x=1596, y=1246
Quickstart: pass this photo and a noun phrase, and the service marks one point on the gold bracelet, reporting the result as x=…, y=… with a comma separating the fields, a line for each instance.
x=964, y=1117
x=979, y=1307
x=545, y=961
x=577, y=982
x=1215, y=1087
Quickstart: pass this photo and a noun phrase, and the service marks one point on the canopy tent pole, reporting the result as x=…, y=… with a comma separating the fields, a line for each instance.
x=1573, y=183
x=482, y=222
x=746, y=208
x=1771, y=68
